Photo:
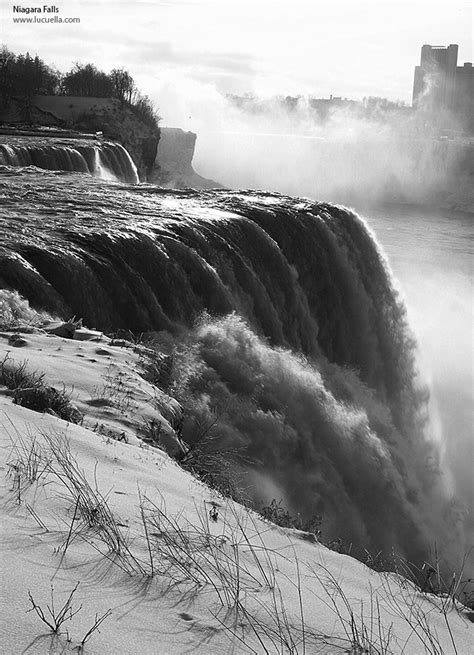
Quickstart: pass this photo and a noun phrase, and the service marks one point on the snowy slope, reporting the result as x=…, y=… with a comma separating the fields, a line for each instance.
x=190, y=571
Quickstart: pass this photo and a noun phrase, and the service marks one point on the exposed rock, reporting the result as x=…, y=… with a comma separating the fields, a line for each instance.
x=84, y=334
x=17, y=341
x=65, y=330
x=173, y=165
x=176, y=150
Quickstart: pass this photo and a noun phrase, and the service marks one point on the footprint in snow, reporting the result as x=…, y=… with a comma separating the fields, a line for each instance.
x=200, y=626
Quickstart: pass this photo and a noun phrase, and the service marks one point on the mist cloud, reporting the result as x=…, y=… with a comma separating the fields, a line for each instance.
x=348, y=158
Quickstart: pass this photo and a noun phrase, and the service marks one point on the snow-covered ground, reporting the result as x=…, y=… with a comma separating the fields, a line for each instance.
x=181, y=568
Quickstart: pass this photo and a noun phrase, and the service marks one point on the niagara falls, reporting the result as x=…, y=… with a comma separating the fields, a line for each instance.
x=236, y=381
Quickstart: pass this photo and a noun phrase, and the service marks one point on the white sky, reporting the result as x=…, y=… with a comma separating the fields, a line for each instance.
x=351, y=49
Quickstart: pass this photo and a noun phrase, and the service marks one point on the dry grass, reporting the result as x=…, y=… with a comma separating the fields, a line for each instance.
x=231, y=566
x=29, y=390
x=115, y=391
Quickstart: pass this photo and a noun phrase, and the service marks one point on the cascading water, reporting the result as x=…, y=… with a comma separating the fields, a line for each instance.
x=100, y=170
x=110, y=161
x=304, y=354
x=113, y=162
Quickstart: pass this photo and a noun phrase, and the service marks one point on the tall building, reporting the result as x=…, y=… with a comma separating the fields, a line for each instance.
x=443, y=88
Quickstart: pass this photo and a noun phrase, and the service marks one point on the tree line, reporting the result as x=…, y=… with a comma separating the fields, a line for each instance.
x=23, y=76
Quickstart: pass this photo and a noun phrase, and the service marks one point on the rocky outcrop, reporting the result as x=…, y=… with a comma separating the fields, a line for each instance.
x=173, y=164
x=176, y=150
x=115, y=119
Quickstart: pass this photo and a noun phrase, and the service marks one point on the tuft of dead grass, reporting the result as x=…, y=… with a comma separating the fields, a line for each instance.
x=232, y=564
x=30, y=390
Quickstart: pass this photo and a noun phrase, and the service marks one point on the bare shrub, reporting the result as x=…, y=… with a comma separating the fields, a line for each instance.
x=276, y=513
x=54, y=617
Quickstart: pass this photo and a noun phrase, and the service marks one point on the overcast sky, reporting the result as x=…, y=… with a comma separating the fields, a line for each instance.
x=353, y=49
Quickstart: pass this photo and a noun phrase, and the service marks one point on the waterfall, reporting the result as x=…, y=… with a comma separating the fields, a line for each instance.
x=113, y=162
x=290, y=326
x=110, y=161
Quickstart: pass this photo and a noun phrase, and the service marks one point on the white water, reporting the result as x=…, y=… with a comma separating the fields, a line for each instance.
x=131, y=163
x=429, y=251
x=101, y=170
x=431, y=255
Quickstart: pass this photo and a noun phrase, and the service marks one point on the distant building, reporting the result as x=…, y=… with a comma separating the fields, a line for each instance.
x=443, y=88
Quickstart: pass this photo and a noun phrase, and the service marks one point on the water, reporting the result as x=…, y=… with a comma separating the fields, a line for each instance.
x=430, y=252
x=107, y=160
x=342, y=433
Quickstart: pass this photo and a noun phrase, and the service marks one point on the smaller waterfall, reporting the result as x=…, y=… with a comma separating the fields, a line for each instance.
x=110, y=161
x=101, y=170
x=113, y=162
x=8, y=156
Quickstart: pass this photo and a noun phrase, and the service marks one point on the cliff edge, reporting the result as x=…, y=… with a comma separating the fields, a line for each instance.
x=173, y=166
